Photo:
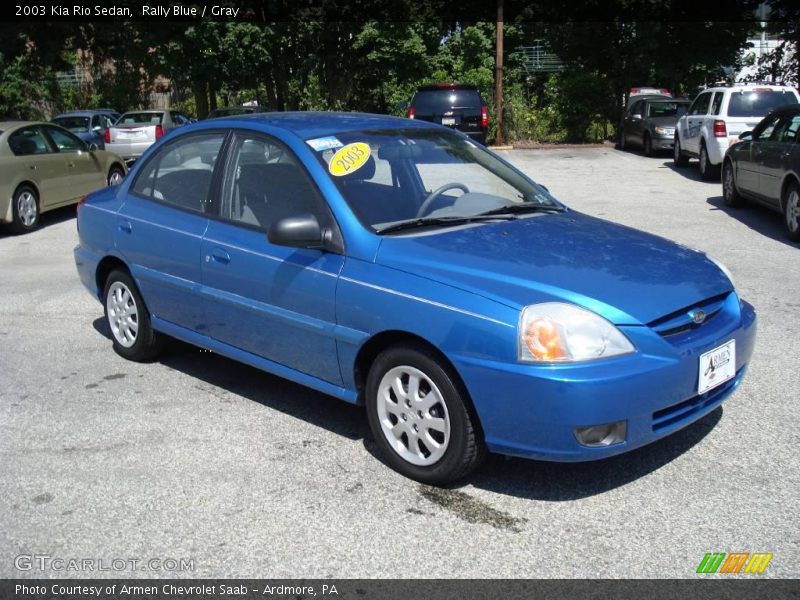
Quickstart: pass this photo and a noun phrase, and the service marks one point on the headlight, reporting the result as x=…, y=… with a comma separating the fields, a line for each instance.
x=669, y=131
x=565, y=333
x=722, y=268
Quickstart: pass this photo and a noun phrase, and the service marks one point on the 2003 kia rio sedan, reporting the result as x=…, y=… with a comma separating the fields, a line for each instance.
x=398, y=264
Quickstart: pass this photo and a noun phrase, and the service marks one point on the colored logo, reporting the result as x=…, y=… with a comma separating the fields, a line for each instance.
x=698, y=316
x=736, y=562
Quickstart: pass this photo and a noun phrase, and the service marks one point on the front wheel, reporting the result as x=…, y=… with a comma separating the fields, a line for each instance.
x=128, y=319
x=419, y=416
x=648, y=145
x=791, y=211
x=680, y=159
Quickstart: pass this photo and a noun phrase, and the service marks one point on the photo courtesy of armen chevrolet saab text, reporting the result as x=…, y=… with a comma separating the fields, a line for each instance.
x=400, y=265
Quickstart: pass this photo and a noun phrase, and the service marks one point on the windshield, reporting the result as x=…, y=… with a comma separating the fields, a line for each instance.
x=758, y=103
x=668, y=109
x=403, y=175
x=440, y=101
x=78, y=124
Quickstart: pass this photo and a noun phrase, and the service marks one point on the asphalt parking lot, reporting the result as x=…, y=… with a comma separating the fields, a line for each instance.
x=197, y=457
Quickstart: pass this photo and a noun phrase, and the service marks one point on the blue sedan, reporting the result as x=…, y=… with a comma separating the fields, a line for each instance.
x=399, y=265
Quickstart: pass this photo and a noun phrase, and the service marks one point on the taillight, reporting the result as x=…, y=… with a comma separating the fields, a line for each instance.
x=719, y=129
x=107, y=135
x=159, y=131
x=412, y=112
x=664, y=91
x=634, y=91
x=484, y=117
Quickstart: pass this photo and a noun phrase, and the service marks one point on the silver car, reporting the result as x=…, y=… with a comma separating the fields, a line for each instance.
x=137, y=130
x=650, y=122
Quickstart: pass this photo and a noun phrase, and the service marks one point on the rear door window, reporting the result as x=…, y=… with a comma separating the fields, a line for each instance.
x=716, y=104
x=758, y=102
x=180, y=173
x=64, y=140
x=27, y=141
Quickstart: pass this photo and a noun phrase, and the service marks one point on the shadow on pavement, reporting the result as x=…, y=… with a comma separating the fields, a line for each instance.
x=535, y=480
x=692, y=172
x=53, y=217
x=758, y=218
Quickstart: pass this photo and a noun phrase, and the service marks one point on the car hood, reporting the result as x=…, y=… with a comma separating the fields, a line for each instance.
x=627, y=276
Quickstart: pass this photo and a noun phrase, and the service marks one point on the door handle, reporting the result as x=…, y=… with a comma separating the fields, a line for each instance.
x=125, y=226
x=219, y=255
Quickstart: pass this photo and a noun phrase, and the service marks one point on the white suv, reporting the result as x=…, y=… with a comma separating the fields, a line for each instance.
x=718, y=115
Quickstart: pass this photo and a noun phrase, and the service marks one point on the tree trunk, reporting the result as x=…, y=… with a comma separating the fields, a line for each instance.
x=200, y=99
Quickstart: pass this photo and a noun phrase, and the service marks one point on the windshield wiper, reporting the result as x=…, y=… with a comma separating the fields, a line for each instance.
x=524, y=207
x=445, y=221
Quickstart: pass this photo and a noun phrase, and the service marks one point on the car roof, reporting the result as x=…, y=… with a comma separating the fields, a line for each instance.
x=81, y=113
x=442, y=87
x=5, y=125
x=307, y=125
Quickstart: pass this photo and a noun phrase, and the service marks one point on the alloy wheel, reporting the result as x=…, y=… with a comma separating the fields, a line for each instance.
x=27, y=208
x=793, y=211
x=123, y=315
x=413, y=415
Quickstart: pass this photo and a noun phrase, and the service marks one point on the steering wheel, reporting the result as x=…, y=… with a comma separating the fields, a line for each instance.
x=423, y=209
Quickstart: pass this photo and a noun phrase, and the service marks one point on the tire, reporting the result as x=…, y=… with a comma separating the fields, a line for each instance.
x=730, y=195
x=648, y=145
x=454, y=446
x=707, y=170
x=115, y=175
x=791, y=211
x=622, y=143
x=25, y=209
x=680, y=159
x=128, y=319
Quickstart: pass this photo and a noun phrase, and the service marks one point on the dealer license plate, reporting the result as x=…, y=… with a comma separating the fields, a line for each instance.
x=717, y=366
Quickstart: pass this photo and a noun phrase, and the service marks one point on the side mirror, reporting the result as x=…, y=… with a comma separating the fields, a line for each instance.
x=746, y=135
x=636, y=117
x=298, y=231
x=93, y=147
x=98, y=129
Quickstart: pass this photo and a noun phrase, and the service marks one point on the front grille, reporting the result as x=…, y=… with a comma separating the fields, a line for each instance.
x=673, y=415
x=681, y=320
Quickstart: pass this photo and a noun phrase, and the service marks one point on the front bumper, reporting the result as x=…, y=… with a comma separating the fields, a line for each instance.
x=663, y=143
x=532, y=410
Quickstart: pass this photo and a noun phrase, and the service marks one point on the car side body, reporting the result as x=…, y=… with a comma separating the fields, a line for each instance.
x=764, y=167
x=53, y=165
x=325, y=314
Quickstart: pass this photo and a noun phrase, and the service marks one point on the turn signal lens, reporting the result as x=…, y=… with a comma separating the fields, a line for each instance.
x=544, y=341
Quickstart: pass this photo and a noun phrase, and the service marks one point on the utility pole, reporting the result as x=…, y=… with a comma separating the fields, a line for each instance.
x=499, y=138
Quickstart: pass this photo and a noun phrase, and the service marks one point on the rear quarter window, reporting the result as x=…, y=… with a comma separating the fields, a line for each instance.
x=758, y=103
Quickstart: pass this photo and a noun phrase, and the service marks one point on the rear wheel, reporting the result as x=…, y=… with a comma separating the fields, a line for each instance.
x=115, y=175
x=128, y=319
x=622, y=142
x=730, y=194
x=419, y=416
x=680, y=159
x=25, y=209
x=791, y=211
x=707, y=170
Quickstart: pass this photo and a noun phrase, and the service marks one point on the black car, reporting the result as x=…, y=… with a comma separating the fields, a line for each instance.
x=764, y=166
x=453, y=105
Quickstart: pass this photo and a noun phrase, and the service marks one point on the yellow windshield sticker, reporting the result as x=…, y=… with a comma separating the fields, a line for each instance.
x=349, y=159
